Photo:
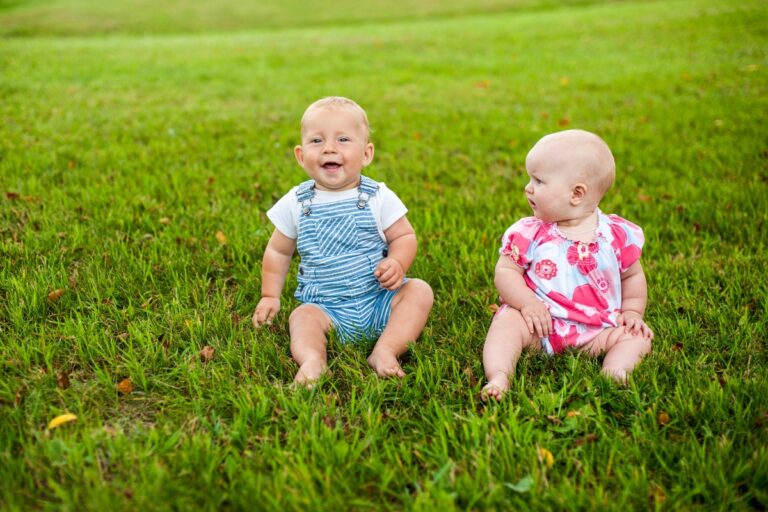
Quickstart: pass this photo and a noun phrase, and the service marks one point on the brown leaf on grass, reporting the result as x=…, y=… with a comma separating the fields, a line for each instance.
x=55, y=295
x=62, y=380
x=165, y=220
x=762, y=419
x=589, y=438
x=555, y=420
x=221, y=237
x=493, y=308
x=207, y=354
x=644, y=198
x=470, y=376
x=125, y=387
x=564, y=122
x=122, y=336
x=12, y=195
x=571, y=414
x=329, y=422
x=663, y=418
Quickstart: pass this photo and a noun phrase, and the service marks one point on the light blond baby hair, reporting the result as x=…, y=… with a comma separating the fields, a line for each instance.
x=339, y=102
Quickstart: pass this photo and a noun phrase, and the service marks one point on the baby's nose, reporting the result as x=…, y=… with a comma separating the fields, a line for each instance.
x=529, y=187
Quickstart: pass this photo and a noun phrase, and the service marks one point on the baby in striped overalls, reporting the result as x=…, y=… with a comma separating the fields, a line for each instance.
x=355, y=244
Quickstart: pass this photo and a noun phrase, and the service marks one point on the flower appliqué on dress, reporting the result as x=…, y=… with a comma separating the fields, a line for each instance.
x=580, y=254
x=546, y=269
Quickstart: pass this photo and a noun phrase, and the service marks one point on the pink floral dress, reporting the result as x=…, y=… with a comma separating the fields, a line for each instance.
x=579, y=282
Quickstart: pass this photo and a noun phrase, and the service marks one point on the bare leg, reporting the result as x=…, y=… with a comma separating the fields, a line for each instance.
x=410, y=309
x=622, y=351
x=506, y=338
x=309, y=325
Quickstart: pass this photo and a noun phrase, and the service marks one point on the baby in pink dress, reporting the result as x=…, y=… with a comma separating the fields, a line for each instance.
x=570, y=276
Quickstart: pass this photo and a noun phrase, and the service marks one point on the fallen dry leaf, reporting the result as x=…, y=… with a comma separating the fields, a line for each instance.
x=221, y=237
x=12, y=195
x=589, y=438
x=546, y=457
x=122, y=336
x=55, y=295
x=207, y=354
x=564, y=122
x=663, y=418
x=493, y=308
x=644, y=198
x=62, y=380
x=165, y=220
x=125, y=387
x=61, y=420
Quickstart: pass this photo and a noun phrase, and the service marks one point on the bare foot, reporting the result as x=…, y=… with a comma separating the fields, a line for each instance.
x=617, y=375
x=385, y=364
x=309, y=373
x=496, y=388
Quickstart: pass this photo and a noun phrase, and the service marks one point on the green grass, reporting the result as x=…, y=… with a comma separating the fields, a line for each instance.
x=122, y=156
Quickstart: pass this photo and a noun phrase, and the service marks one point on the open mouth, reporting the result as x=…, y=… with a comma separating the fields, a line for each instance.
x=532, y=203
x=331, y=166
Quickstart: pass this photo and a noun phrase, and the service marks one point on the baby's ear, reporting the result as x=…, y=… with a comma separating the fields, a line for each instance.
x=368, y=154
x=578, y=193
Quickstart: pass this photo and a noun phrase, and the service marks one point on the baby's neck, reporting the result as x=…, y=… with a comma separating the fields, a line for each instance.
x=580, y=229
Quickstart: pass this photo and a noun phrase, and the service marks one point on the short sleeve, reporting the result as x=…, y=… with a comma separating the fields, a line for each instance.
x=284, y=214
x=392, y=208
x=518, y=241
x=627, y=243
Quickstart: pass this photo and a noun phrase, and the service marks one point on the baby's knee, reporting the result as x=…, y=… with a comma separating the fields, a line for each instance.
x=421, y=292
x=306, y=315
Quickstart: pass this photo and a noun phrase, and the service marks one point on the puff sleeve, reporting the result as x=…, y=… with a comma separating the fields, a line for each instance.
x=627, y=243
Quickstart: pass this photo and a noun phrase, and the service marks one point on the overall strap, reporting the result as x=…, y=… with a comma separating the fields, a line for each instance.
x=367, y=189
x=304, y=194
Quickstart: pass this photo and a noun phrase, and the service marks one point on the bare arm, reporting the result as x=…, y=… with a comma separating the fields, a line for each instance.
x=515, y=293
x=401, y=253
x=634, y=296
x=274, y=268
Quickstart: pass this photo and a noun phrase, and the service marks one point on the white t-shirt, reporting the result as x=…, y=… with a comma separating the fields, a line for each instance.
x=387, y=208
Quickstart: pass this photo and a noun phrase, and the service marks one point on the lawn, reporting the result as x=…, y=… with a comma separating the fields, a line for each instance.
x=140, y=150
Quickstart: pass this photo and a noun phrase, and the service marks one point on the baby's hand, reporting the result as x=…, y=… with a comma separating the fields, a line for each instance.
x=266, y=310
x=633, y=323
x=390, y=273
x=537, y=317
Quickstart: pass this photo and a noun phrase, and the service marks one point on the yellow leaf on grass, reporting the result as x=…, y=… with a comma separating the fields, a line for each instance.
x=61, y=420
x=125, y=387
x=546, y=457
x=221, y=237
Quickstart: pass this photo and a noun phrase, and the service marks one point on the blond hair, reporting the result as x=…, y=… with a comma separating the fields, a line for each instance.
x=339, y=102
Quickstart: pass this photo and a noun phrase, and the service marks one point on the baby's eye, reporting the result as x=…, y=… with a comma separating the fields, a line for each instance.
x=537, y=181
x=315, y=141
x=344, y=139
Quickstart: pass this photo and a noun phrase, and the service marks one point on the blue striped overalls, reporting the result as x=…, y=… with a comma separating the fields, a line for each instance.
x=340, y=247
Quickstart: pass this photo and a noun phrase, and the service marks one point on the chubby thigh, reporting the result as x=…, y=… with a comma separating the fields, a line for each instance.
x=509, y=322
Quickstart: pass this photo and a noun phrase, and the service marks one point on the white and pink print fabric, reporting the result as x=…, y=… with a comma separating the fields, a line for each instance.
x=579, y=282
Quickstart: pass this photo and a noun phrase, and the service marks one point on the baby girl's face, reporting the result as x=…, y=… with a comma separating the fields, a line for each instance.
x=549, y=190
x=334, y=148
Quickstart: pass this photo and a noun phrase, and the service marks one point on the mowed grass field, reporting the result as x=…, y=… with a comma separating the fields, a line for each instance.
x=139, y=151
